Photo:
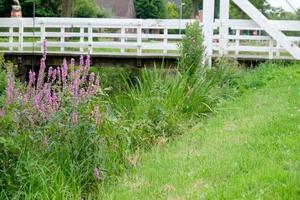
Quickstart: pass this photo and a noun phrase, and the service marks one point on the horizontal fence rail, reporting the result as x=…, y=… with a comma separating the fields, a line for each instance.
x=132, y=37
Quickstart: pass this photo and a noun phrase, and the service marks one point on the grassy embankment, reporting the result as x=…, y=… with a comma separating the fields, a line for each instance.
x=248, y=150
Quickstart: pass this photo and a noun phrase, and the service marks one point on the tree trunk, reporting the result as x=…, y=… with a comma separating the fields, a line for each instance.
x=67, y=6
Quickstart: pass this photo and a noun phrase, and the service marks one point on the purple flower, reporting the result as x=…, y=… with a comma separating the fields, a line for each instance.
x=46, y=142
x=47, y=94
x=75, y=119
x=44, y=45
x=10, y=89
x=97, y=85
x=81, y=63
x=50, y=72
x=86, y=69
x=96, y=115
x=58, y=75
x=97, y=174
x=41, y=77
x=82, y=92
x=91, y=83
x=64, y=73
x=55, y=101
x=42, y=100
x=72, y=69
x=2, y=113
x=29, y=86
x=54, y=73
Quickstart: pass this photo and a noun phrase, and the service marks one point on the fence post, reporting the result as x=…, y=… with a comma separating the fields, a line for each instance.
x=237, y=42
x=43, y=35
x=224, y=28
x=82, y=38
x=208, y=19
x=11, y=38
x=21, y=35
x=90, y=38
x=139, y=37
x=165, y=40
x=123, y=34
x=271, y=50
x=62, y=38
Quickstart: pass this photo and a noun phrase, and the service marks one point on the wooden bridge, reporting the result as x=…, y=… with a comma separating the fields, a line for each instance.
x=139, y=41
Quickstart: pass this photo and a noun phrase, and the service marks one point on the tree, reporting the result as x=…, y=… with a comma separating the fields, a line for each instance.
x=187, y=9
x=150, y=9
x=67, y=7
x=49, y=8
x=237, y=13
x=5, y=8
x=172, y=11
x=88, y=8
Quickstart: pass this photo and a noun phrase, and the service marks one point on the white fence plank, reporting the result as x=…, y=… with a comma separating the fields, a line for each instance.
x=224, y=17
x=208, y=19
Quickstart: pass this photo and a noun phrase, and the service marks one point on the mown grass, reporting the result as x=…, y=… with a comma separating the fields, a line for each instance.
x=248, y=150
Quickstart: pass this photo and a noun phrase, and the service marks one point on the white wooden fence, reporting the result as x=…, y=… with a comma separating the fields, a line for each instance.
x=115, y=37
x=247, y=40
x=258, y=38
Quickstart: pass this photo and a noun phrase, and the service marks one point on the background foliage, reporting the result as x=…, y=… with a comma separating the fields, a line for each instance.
x=89, y=8
x=150, y=9
x=172, y=11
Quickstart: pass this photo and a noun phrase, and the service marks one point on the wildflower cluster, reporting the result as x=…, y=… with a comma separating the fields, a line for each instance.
x=47, y=92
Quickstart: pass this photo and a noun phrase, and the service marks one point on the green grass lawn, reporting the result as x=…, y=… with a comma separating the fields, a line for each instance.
x=248, y=150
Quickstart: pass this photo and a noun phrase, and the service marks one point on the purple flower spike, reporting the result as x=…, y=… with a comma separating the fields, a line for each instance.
x=41, y=76
x=45, y=49
x=2, y=113
x=54, y=73
x=50, y=72
x=64, y=73
x=75, y=119
x=96, y=115
x=91, y=84
x=97, y=174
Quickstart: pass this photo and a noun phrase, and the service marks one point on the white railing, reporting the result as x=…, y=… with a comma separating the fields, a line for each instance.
x=127, y=37
x=247, y=40
x=135, y=37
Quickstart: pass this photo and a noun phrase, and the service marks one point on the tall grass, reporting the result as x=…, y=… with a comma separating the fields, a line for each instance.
x=70, y=157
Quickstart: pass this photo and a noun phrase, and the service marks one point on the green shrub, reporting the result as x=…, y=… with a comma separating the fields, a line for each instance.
x=89, y=8
x=172, y=11
x=150, y=9
x=191, y=49
x=187, y=9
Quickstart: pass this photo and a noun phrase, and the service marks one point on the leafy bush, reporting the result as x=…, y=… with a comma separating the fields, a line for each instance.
x=89, y=8
x=187, y=10
x=191, y=48
x=150, y=9
x=172, y=11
